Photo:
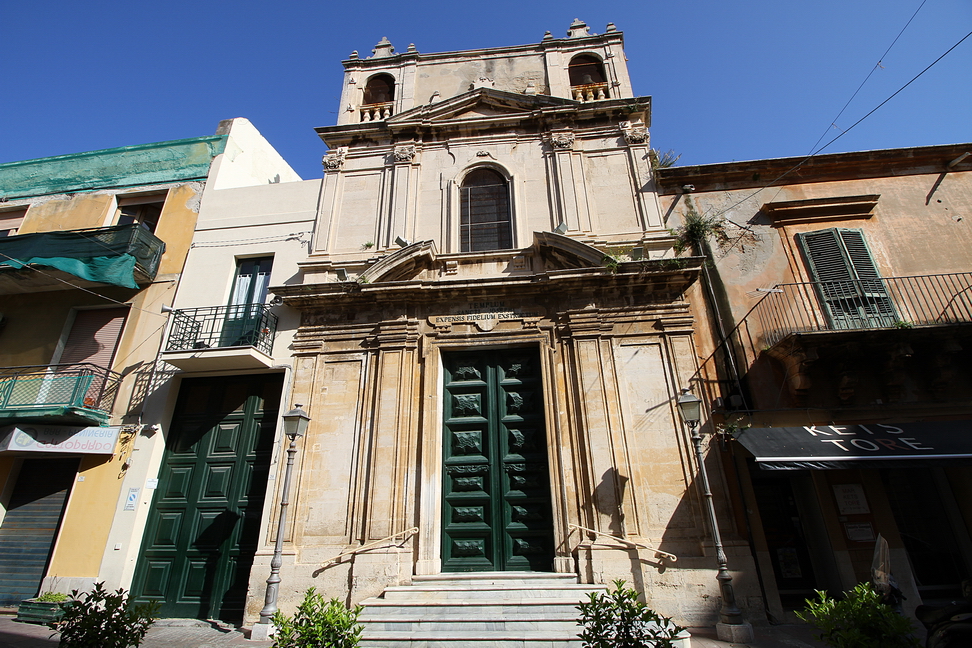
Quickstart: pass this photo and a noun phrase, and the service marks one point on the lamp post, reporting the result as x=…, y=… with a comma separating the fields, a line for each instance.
x=294, y=425
x=690, y=407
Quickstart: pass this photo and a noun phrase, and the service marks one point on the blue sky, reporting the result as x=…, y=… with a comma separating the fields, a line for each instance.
x=728, y=80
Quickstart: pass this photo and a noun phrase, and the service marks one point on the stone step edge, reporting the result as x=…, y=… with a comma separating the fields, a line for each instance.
x=488, y=587
x=468, y=602
x=474, y=635
x=445, y=618
x=473, y=576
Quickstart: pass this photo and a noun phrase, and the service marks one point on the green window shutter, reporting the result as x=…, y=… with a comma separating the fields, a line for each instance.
x=825, y=256
x=847, y=280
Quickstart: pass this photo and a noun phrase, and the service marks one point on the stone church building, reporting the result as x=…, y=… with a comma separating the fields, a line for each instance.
x=493, y=333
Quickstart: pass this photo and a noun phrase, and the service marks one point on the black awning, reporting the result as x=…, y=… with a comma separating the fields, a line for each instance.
x=878, y=445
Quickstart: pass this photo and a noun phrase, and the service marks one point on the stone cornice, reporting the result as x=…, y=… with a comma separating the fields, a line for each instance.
x=539, y=111
x=820, y=168
x=655, y=280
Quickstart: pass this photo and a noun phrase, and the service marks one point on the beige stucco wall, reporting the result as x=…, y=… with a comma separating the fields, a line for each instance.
x=920, y=226
x=68, y=213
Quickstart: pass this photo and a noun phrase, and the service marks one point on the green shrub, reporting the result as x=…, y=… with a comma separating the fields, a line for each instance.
x=619, y=620
x=100, y=619
x=318, y=623
x=860, y=620
x=52, y=597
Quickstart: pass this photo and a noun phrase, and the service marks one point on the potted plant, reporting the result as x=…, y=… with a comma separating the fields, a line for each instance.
x=103, y=619
x=43, y=609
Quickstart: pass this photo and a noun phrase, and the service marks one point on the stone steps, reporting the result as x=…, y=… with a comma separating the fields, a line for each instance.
x=484, y=610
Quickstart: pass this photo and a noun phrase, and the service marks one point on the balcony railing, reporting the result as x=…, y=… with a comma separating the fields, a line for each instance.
x=893, y=302
x=101, y=254
x=590, y=92
x=215, y=327
x=376, y=112
x=45, y=387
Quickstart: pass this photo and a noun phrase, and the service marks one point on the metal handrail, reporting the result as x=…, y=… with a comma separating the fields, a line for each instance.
x=664, y=554
x=875, y=303
x=405, y=533
x=220, y=327
x=79, y=384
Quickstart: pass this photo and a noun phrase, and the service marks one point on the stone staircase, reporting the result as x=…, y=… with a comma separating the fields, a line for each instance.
x=481, y=610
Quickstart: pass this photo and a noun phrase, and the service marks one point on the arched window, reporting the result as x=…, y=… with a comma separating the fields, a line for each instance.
x=585, y=70
x=587, y=79
x=485, y=219
x=380, y=89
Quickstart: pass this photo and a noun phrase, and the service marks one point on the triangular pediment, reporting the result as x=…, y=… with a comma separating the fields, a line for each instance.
x=483, y=104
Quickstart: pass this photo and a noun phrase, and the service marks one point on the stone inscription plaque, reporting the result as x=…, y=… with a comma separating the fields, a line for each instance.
x=484, y=314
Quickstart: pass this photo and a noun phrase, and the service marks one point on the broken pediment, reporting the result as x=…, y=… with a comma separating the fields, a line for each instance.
x=558, y=251
x=476, y=105
x=564, y=252
x=402, y=265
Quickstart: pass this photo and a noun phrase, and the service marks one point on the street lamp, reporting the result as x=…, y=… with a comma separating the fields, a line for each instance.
x=294, y=425
x=690, y=407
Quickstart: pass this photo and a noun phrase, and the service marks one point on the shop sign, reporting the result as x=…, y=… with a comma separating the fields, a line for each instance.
x=59, y=438
x=838, y=446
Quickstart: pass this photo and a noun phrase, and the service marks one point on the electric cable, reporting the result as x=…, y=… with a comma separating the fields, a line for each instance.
x=876, y=66
x=34, y=268
x=817, y=152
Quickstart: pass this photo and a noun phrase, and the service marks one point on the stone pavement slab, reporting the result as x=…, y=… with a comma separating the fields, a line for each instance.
x=189, y=633
x=166, y=633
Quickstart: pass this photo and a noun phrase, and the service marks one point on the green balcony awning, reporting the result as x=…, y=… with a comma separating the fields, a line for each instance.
x=109, y=255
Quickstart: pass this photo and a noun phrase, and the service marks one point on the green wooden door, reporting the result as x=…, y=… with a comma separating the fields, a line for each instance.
x=496, y=494
x=203, y=527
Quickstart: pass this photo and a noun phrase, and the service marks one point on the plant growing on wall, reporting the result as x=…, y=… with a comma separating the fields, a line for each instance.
x=660, y=160
x=618, y=619
x=101, y=619
x=859, y=620
x=318, y=623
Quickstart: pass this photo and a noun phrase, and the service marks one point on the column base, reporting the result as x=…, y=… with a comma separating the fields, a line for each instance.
x=735, y=633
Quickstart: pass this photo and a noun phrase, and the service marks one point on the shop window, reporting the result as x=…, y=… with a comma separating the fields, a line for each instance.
x=486, y=222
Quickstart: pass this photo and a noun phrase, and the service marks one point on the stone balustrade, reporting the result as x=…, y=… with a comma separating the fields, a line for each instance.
x=590, y=92
x=376, y=112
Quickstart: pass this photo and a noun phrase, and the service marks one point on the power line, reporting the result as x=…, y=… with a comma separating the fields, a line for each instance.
x=876, y=66
x=844, y=132
x=81, y=288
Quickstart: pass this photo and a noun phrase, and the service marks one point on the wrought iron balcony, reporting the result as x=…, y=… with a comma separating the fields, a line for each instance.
x=122, y=255
x=892, y=302
x=63, y=393
x=220, y=327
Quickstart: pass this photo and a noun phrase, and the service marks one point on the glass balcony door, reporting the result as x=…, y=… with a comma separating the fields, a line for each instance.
x=245, y=311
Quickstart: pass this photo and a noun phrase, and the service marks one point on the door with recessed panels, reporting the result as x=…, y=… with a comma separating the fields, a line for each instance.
x=203, y=525
x=496, y=505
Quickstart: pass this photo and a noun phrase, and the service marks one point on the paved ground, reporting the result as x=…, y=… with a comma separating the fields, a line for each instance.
x=174, y=633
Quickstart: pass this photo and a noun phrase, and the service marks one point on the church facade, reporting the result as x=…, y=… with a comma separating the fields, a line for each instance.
x=493, y=333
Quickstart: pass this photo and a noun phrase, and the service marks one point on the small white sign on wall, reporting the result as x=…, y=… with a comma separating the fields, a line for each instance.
x=132, y=499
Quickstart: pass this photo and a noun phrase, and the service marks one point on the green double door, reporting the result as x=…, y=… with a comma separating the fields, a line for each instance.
x=203, y=527
x=496, y=507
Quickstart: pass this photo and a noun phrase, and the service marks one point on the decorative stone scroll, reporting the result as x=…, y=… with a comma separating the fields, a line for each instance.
x=562, y=141
x=405, y=153
x=634, y=133
x=334, y=160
